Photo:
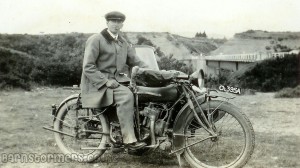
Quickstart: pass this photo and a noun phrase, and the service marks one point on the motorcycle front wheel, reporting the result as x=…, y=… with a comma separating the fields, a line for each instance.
x=233, y=145
x=79, y=138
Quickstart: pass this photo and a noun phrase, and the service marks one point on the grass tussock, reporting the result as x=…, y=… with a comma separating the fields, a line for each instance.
x=288, y=93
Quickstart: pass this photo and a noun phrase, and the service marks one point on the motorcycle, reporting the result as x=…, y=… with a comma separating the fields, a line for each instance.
x=173, y=112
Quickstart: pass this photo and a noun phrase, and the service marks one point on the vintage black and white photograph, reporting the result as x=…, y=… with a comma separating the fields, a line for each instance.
x=160, y=83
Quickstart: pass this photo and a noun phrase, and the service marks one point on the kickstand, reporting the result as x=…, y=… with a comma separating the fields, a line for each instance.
x=178, y=155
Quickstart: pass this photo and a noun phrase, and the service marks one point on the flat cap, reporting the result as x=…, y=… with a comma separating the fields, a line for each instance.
x=115, y=15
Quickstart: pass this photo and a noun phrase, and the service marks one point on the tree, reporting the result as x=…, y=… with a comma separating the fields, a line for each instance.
x=201, y=35
x=204, y=35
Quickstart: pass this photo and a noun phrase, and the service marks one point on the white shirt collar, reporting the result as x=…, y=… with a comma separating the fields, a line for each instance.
x=112, y=35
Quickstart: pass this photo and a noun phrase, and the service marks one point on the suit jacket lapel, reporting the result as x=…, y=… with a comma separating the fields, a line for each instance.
x=121, y=48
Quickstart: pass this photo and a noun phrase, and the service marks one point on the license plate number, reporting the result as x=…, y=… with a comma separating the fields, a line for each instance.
x=230, y=89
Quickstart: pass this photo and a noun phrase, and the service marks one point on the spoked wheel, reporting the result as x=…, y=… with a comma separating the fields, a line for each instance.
x=81, y=132
x=233, y=145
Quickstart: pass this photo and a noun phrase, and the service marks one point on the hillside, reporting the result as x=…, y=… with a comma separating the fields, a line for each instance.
x=178, y=46
x=255, y=41
x=56, y=59
x=49, y=45
x=260, y=34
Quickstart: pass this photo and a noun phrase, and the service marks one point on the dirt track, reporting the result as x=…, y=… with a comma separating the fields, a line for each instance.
x=275, y=121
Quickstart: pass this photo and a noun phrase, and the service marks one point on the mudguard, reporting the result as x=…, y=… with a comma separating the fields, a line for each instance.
x=74, y=96
x=178, y=127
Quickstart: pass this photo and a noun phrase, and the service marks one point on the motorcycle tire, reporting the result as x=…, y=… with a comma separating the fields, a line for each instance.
x=72, y=146
x=232, y=147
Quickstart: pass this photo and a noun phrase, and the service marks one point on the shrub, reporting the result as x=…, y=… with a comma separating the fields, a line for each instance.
x=268, y=48
x=54, y=72
x=250, y=31
x=144, y=41
x=272, y=74
x=69, y=41
x=170, y=63
x=159, y=52
x=15, y=70
x=211, y=81
x=214, y=81
x=288, y=93
x=42, y=59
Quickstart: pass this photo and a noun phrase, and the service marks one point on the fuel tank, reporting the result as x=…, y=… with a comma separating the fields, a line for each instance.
x=157, y=94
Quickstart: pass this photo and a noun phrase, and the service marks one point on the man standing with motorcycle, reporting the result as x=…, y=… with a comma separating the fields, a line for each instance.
x=106, y=63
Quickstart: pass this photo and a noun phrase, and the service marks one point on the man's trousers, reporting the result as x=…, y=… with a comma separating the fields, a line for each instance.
x=124, y=101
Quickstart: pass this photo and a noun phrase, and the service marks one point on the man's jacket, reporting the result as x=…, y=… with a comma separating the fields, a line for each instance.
x=105, y=58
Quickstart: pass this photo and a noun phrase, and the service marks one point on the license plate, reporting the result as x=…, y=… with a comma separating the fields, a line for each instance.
x=230, y=89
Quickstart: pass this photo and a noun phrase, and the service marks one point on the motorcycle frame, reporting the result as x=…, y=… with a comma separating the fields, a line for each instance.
x=186, y=92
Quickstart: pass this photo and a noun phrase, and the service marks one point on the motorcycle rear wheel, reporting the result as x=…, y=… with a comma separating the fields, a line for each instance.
x=72, y=146
x=232, y=147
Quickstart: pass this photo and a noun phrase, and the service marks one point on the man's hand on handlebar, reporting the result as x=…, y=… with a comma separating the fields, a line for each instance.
x=111, y=83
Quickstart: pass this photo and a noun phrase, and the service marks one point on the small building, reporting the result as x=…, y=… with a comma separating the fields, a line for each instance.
x=294, y=52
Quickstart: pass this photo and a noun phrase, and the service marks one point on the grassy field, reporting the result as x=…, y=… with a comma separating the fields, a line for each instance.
x=275, y=121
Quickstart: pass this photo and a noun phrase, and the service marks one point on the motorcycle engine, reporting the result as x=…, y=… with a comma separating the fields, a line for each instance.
x=160, y=127
x=153, y=112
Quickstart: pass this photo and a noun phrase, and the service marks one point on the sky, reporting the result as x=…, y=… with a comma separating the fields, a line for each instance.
x=218, y=18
